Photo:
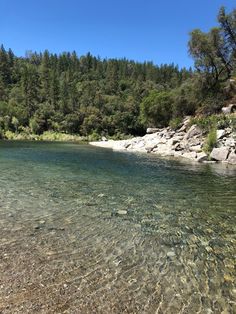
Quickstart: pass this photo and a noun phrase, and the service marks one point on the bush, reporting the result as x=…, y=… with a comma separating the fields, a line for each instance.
x=175, y=123
x=211, y=141
x=156, y=109
x=213, y=121
x=94, y=137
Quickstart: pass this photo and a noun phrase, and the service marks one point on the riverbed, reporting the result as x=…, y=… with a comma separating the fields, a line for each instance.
x=88, y=230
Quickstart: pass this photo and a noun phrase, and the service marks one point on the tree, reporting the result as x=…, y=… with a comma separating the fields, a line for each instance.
x=156, y=109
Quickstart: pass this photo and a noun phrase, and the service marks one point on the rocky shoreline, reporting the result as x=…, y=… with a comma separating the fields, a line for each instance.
x=186, y=142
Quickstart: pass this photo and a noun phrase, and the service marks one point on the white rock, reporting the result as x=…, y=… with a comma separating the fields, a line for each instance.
x=196, y=148
x=122, y=212
x=170, y=254
x=232, y=158
x=220, y=134
x=201, y=157
x=219, y=154
x=193, y=131
x=190, y=155
x=152, y=130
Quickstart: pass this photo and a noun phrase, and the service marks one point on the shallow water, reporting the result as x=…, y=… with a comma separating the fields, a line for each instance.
x=88, y=230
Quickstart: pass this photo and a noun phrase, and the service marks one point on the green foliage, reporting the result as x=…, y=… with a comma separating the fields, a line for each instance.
x=85, y=95
x=175, y=123
x=15, y=123
x=79, y=95
x=214, y=52
x=211, y=141
x=156, y=109
x=213, y=121
x=34, y=126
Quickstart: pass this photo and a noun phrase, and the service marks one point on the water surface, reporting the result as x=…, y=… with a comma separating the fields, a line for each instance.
x=88, y=230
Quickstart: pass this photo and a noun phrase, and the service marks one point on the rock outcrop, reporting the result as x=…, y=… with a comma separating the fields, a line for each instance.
x=186, y=142
x=219, y=154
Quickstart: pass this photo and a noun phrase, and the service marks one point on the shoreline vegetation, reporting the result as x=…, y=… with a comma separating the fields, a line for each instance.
x=200, y=139
x=64, y=97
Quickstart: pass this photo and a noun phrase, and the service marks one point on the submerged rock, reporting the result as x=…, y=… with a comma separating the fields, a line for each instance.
x=170, y=254
x=122, y=212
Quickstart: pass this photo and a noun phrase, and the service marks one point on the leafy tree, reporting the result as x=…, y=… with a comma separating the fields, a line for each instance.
x=156, y=109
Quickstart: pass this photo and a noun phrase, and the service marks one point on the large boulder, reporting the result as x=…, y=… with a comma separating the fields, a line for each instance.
x=193, y=131
x=219, y=154
x=152, y=130
x=229, y=109
x=201, y=157
x=220, y=134
x=190, y=155
x=232, y=158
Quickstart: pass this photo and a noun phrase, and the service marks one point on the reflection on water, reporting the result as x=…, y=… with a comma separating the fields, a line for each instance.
x=86, y=230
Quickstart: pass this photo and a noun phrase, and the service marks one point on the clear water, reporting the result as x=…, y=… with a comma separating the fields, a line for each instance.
x=88, y=230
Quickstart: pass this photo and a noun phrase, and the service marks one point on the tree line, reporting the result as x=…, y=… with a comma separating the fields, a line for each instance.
x=88, y=95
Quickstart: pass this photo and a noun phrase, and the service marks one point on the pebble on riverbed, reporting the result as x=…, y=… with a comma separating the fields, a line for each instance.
x=170, y=254
x=122, y=212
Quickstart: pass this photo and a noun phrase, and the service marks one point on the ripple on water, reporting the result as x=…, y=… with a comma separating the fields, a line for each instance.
x=85, y=230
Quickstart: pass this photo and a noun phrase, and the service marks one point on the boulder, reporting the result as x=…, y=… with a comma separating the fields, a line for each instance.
x=190, y=155
x=183, y=128
x=220, y=134
x=152, y=130
x=219, y=154
x=176, y=139
x=195, y=148
x=193, y=131
x=201, y=157
x=230, y=142
x=150, y=146
x=229, y=109
x=232, y=158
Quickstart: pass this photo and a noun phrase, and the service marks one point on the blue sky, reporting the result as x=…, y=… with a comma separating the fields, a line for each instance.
x=153, y=30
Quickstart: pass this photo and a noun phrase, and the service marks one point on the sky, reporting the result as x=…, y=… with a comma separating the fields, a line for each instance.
x=140, y=30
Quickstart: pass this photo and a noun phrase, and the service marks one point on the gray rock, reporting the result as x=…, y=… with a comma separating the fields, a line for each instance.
x=190, y=155
x=232, y=158
x=176, y=139
x=229, y=109
x=196, y=148
x=220, y=134
x=193, y=131
x=219, y=154
x=150, y=146
x=230, y=142
x=122, y=212
x=152, y=130
x=182, y=129
x=170, y=254
x=201, y=157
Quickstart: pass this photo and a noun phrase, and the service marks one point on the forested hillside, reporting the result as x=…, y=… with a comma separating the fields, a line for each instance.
x=88, y=95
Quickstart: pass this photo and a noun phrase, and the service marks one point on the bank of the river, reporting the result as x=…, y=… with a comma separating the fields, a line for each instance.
x=46, y=136
x=188, y=141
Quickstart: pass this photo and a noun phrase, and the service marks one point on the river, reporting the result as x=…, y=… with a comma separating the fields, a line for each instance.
x=89, y=230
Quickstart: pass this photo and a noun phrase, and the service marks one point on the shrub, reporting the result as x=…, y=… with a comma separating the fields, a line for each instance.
x=206, y=123
x=155, y=109
x=211, y=141
x=175, y=123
